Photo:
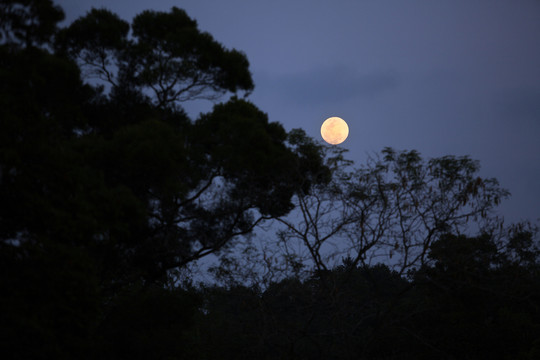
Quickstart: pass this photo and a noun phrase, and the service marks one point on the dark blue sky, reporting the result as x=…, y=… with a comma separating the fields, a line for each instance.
x=442, y=77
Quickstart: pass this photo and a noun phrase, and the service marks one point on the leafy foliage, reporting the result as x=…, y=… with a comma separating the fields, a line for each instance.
x=31, y=22
x=472, y=301
x=166, y=53
x=393, y=208
x=121, y=180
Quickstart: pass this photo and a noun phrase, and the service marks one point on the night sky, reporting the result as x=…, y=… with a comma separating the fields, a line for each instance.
x=440, y=77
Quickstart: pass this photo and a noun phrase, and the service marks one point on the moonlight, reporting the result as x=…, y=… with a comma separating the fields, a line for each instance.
x=334, y=130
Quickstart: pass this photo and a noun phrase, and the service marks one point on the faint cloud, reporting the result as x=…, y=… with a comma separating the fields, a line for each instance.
x=521, y=105
x=327, y=85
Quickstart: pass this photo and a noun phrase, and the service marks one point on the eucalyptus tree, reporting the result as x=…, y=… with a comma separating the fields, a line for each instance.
x=107, y=185
x=389, y=210
x=99, y=152
x=162, y=52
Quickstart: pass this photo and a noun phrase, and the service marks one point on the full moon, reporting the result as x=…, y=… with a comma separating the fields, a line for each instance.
x=334, y=130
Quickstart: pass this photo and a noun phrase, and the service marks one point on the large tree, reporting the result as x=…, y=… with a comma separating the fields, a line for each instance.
x=107, y=186
x=389, y=210
x=123, y=170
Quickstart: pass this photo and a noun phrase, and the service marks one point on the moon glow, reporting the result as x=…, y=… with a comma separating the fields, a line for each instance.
x=334, y=130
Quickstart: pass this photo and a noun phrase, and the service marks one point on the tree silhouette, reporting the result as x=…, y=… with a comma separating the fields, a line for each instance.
x=129, y=176
x=28, y=22
x=165, y=53
x=474, y=298
x=119, y=176
x=392, y=208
